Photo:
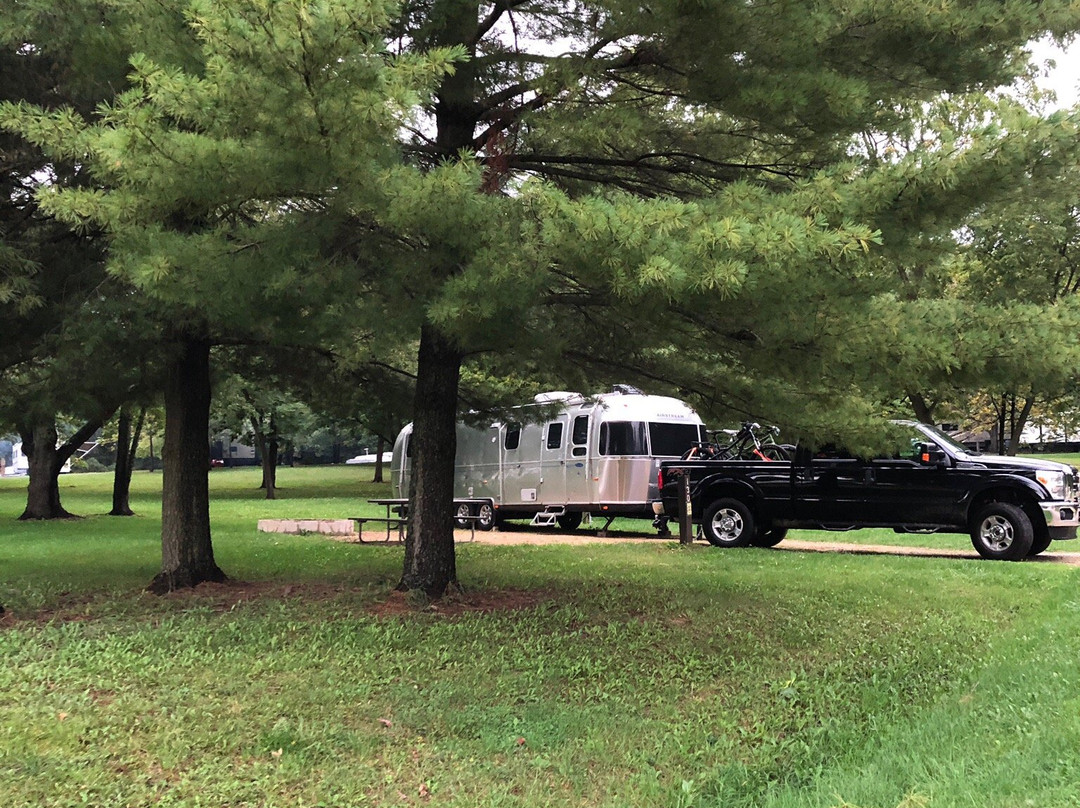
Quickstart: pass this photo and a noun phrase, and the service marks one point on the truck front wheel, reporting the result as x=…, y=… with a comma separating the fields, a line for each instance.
x=1040, y=544
x=1002, y=531
x=728, y=523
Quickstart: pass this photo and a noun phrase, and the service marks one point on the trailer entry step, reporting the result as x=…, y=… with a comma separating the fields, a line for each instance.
x=547, y=518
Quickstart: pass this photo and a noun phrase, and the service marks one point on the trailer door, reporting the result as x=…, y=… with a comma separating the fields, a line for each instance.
x=579, y=488
x=553, y=462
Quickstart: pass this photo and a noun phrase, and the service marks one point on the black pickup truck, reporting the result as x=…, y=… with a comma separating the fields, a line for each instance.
x=1012, y=507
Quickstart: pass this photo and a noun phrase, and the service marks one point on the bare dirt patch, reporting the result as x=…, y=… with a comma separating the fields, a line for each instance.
x=524, y=536
x=227, y=595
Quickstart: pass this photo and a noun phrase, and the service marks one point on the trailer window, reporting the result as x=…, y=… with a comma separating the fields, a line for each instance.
x=580, y=436
x=513, y=437
x=673, y=440
x=623, y=438
x=554, y=439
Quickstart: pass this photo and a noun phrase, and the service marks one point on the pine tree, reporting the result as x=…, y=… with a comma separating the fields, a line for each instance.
x=672, y=192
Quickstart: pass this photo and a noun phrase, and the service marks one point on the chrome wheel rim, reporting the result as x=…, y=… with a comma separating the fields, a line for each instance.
x=997, y=533
x=727, y=524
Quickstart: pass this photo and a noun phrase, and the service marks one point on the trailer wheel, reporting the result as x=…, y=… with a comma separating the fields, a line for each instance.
x=569, y=521
x=461, y=514
x=1002, y=532
x=769, y=538
x=728, y=523
x=486, y=517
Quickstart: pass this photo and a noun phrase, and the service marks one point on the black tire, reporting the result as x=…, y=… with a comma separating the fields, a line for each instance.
x=1002, y=532
x=462, y=510
x=569, y=521
x=1039, y=544
x=769, y=538
x=486, y=517
x=728, y=523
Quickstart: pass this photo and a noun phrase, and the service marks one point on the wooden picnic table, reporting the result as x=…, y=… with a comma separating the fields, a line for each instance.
x=397, y=518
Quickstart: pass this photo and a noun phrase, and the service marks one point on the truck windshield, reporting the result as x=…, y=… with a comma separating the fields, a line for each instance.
x=945, y=440
x=673, y=440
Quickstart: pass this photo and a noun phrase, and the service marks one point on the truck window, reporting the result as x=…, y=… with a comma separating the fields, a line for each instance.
x=580, y=435
x=623, y=438
x=673, y=440
x=513, y=437
x=554, y=438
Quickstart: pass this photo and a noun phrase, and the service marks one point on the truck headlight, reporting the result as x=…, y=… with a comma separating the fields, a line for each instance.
x=1054, y=482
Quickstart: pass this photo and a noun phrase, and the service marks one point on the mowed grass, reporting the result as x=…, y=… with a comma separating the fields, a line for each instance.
x=637, y=674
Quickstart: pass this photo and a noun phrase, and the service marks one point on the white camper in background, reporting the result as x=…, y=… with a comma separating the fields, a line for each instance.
x=598, y=455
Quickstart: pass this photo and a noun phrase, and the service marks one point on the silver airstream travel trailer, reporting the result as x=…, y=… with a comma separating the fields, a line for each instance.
x=598, y=455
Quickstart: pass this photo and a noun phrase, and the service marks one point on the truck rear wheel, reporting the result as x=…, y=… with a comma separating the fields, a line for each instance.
x=461, y=514
x=1002, y=531
x=728, y=523
x=769, y=538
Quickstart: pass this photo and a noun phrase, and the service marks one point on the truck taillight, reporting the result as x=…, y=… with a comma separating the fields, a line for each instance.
x=660, y=479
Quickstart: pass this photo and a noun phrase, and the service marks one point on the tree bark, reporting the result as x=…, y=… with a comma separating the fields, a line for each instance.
x=430, y=563
x=268, y=453
x=127, y=442
x=46, y=460
x=429, y=545
x=380, y=447
x=187, y=555
x=923, y=409
x=1019, y=421
x=43, y=490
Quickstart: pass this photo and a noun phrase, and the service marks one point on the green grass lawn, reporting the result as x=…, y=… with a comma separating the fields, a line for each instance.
x=636, y=674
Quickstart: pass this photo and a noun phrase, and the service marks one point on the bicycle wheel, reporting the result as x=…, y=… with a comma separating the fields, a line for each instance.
x=772, y=451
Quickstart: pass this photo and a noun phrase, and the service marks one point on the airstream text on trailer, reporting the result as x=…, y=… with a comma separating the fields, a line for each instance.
x=598, y=455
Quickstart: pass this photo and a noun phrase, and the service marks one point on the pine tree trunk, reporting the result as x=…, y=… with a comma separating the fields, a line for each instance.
x=127, y=441
x=187, y=555
x=380, y=447
x=45, y=462
x=429, y=546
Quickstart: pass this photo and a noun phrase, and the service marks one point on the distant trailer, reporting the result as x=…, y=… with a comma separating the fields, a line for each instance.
x=598, y=455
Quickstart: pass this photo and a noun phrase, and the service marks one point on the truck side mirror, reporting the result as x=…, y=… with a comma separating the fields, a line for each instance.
x=930, y=454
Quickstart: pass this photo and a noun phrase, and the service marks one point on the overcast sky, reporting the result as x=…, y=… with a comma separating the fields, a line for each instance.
x=1065, y=76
